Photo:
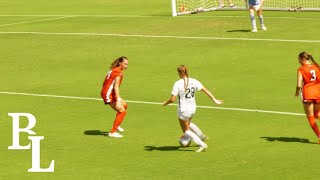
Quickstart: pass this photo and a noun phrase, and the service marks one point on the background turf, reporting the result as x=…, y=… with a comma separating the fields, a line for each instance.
x=246, y=74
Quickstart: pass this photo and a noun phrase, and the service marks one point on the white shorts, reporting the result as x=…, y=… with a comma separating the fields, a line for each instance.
x=186, y=115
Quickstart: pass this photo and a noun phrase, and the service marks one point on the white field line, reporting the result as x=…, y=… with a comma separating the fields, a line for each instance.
x=154, y=103
x=158, y=36
x=39, y=20
x=143, y=16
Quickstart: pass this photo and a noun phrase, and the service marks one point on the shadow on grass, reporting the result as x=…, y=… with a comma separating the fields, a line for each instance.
x=165, y=148
x=240, y=30
x=95, y=133
x=288, y=139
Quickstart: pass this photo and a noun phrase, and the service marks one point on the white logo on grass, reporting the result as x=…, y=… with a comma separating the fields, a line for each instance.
x=35, y=141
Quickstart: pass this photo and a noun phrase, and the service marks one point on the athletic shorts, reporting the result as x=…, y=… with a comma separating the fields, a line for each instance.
x=185, y=116
x=311, y=101
x=111, y=99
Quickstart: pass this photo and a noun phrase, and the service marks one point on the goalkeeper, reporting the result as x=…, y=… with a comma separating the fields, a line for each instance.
x=256, y=5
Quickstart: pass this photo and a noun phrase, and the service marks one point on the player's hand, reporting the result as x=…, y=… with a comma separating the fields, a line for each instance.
x=218, y=101
x=164, y=103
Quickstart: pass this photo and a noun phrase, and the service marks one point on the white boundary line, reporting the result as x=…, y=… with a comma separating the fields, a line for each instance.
x=154, y=103
x=144, y=16
x=39, y=20
x=158, y=36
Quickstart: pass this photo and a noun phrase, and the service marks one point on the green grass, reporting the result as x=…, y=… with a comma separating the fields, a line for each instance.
x=245, y=73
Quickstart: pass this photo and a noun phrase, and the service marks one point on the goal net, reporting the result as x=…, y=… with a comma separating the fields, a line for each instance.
x=180, y=7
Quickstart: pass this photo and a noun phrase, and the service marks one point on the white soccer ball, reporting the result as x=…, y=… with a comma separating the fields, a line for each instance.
x=199, y=9
x=185, y=141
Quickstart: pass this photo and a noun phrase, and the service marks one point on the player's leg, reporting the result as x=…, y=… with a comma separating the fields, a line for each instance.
x=252, y=18
x=221, y=4
x=259, y=12
x=125, y=105
x=317, y=110
x=231, y=3
x=194, y=128
x=184, y=123
x=309, y=110
x=121, y=113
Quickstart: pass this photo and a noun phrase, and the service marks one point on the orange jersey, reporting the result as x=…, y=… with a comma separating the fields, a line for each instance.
x=107, y=92
x=311, y=82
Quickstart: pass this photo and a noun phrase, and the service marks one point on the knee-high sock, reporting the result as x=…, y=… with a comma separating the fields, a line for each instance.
x=253, y=21
x=118, y=121
x=261, y=20
x=194, y=128
x=195, y=138
x=313, y=125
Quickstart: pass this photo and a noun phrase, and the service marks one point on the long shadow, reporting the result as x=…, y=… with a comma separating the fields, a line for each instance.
x=95, y=133
x=288, y=139
x=165, y=148
x=240, y=30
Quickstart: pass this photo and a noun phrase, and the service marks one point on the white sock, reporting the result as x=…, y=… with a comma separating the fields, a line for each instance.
x=261, y=20
x=253, y=21
x=194, y=128
x=195, y=138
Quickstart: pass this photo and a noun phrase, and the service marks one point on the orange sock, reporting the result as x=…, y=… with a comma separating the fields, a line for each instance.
x=118, y=121
x=313, y=124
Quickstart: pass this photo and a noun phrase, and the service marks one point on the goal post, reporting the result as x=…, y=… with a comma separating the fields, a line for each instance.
x=181, y=7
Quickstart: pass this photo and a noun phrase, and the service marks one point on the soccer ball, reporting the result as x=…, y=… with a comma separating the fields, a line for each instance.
x=199, y=10
x=185, y=141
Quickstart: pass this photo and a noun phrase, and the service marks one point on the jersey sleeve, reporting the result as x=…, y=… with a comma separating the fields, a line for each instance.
x=175, y=90
x=199, y=86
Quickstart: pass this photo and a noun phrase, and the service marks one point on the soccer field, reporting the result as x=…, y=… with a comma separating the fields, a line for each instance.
x=55, y=55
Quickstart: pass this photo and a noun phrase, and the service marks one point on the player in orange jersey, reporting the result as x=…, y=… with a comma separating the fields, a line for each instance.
x=110, y=94
x=308, y=83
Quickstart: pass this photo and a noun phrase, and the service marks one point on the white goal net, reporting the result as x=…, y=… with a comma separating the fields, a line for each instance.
x=180, y=7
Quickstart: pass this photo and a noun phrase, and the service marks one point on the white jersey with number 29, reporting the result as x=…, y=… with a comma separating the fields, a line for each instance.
x=187, y=102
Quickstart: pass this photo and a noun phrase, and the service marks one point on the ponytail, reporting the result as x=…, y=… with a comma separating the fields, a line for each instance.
x=183, y=70
x=307, y=56
x=117, y=62
x=313, y=61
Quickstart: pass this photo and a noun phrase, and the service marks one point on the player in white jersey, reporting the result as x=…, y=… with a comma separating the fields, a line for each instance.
x=185, y=90
x=256, y=5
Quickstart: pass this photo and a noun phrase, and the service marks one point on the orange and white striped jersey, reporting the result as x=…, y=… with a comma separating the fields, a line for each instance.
x=311, y=82
x=107, y=92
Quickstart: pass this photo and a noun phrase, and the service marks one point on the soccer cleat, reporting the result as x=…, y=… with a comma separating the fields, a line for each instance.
x=120, y=129
x=254, y=30
x=202, y=148
x=263, y=27
x=115, y=135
